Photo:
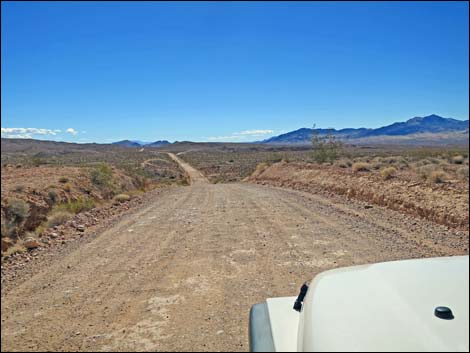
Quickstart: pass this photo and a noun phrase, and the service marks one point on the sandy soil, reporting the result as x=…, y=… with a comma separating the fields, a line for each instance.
x=181, y=272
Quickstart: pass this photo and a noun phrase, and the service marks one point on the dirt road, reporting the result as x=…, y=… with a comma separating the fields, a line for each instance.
x=182, y=272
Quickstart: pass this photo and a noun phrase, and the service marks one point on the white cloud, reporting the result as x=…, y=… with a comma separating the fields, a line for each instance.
x=242, y=136
x=256, y=132
x=72, y=131
x=26, y=132
x=226, y=138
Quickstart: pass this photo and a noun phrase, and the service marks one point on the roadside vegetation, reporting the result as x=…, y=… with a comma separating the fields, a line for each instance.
x=47, y=189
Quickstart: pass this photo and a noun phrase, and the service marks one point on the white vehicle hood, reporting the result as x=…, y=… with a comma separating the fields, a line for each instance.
x=388, y=307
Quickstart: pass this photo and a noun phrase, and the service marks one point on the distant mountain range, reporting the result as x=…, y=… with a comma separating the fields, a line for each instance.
x=129, y=143
x=432, y=124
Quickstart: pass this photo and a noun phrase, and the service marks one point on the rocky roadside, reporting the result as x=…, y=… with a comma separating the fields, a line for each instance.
x=445, y=204
x=60, y=240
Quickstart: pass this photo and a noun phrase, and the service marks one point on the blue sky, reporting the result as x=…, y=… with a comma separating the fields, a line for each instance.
x=227, y=71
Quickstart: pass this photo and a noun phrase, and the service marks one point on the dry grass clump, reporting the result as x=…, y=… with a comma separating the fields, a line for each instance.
x=18, y=248
x=260, y=168
x=377, y=163
x=425, y=171
x=76, y=206
x=438, y=176
x=361, y=167
x=388, y=172
x=343, y=163
x=458, y=159
x=122, y=198
x=57, y=218
x=462, y=173
x=422, y=163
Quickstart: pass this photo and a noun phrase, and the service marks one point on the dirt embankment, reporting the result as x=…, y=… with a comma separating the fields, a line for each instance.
x=445, y=203
x=32, y=195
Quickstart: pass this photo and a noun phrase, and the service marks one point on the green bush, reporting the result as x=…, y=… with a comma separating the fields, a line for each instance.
x=326, y=148
x=36, y=161
x=52, y=196
x=76, y=206
x=17, y=211
x=102, y=175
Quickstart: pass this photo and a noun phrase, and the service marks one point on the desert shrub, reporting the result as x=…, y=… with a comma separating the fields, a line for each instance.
x=122, y=198
x=438, y=176
x=58, y=217
x=361, y=167
x=422, y=163
x=343, y=163
x=102, y=175
x=4, y=226
x=36, y=161
x=377, y=165
x=425, y=171
x=40, y=229
x=462, y=173
x=19, y=188
x=67, y=187
x=458, y=159
x=326, y=148
x=433, y=160
x=18, y=248
x=388, y=173
x=260, y=168
x=52, y=196
x=63, y=180
x=17, y=211
x=76, y=206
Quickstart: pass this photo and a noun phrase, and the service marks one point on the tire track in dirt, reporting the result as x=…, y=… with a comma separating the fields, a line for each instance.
x=182, y=273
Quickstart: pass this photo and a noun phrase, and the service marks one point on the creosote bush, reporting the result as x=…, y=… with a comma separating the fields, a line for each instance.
x=52, y=196
x=326, y=148
x=16, y=213
x=102, y=175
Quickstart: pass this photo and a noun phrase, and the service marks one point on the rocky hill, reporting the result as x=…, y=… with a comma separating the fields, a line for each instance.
x=432, y=124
